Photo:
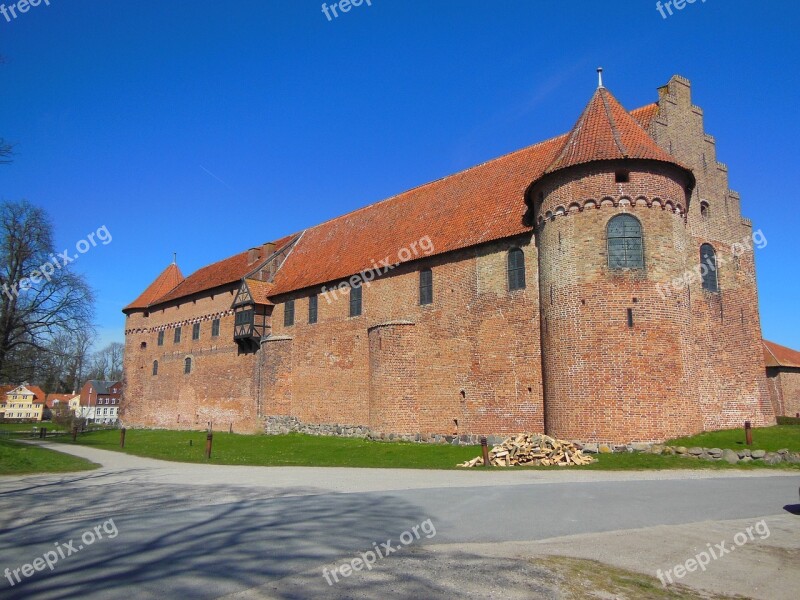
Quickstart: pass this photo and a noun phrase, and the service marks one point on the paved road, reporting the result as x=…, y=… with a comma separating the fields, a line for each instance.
x=199, y=531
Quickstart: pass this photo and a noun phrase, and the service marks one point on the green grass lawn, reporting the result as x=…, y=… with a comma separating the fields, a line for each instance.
x=17, y=458
x=305, y=450
x=770, y=439
x=27, y=427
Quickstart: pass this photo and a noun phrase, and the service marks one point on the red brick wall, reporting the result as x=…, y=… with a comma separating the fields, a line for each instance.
x=727, y=356
x=784, y=390
x=475, y=350
x=221, y=387
x=604, y=380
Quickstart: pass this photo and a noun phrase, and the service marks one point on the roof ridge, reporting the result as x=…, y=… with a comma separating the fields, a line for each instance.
x=613, y=123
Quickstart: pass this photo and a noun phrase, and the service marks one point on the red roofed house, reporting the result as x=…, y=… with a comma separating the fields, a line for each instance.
x=596, y=286
x=783, y=378
x=24, y=403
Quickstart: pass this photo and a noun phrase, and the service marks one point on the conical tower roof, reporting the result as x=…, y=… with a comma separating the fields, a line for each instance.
x=606, y=131
x=169, y=278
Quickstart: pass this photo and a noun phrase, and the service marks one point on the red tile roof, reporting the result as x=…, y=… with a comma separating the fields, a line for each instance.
x=38, y=394
x=606, y=131
x=169, y=278
x=479, y=205
x=62, y=398
x=780, y=356
x=260, y=291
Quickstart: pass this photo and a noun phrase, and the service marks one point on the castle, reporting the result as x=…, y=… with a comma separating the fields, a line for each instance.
x=597, y=286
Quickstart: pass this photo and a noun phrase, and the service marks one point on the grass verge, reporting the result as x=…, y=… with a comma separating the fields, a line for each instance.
x=314, y=451
x=770, y=439
x=584, y=579
x=17, y=458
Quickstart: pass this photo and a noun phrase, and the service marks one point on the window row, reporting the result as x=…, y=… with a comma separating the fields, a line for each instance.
x=176, y=336
x=515, y=272
x=626, y=250
x=187, y=366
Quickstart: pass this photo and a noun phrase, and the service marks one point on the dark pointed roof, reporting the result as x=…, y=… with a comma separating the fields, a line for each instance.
x=606, y=131
x=167, y=281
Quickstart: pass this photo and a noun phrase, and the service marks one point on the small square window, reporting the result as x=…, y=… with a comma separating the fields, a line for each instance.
x=622, y=176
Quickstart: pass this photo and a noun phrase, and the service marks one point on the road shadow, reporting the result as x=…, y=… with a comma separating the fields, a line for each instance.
x=185, y=541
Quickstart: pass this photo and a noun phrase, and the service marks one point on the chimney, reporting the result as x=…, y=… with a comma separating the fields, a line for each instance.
x=268, y=249
x=253, y=255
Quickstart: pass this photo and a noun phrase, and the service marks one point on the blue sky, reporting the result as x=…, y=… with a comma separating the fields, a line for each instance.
x=204, y=128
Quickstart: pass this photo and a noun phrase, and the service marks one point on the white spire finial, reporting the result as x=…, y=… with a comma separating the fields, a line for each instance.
x=174, y=258
x=599, y=77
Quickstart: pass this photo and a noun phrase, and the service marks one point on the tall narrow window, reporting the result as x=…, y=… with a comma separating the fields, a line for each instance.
x=215, y=328
x=625, y=247
x=708, y=268
x=704, y=210
x=312, y=309
x=516, y=269
x=355, y=301
x=187, y=366
x=155, y=367
x=177, y=338
x=196, y=331
x=288, y=313
x=160, y=338
x=426, y=286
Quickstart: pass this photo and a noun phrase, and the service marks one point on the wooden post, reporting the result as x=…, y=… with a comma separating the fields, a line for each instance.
x=748, y=433
x=122, y=438
x=74, y=434
x=485, y=449
x=209, y=439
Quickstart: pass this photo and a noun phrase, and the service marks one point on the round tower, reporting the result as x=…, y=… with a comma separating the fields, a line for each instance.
x=611, y=231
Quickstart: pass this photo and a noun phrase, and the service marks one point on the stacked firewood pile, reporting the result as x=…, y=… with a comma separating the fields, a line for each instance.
x=533, y=450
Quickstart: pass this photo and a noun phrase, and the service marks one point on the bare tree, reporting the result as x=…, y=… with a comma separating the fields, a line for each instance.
x=6, y=149
x=39, y=297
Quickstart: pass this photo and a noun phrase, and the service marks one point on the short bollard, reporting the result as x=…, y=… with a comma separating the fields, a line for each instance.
x=42, y=433
x=748, y=433
x=485, y=449
x=74, y=434
x=122, y=438
x=209, y=439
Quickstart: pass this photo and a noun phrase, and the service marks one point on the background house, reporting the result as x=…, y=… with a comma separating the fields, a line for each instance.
x=99, y=401
x=25, y=403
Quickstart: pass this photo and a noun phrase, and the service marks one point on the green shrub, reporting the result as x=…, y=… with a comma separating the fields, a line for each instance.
x=788, y=421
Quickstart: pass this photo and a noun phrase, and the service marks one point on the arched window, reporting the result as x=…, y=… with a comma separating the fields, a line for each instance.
x=155, y=367
x=625, y=247
x=705, y=211
x=187, y=366
x=516, y=269
x=708, y=268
